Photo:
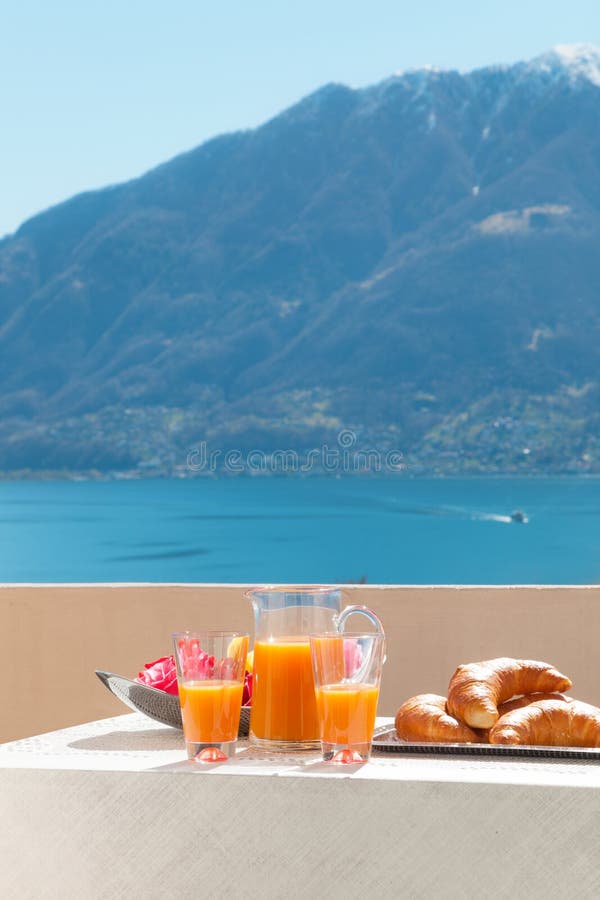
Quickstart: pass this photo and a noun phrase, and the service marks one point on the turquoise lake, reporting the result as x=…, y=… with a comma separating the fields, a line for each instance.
x=384, y=530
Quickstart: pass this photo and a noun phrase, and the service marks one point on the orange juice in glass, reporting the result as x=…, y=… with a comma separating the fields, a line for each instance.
x=210, y=675
x=347, y=713
x=347, y=671
x=210, y=710
x=284, y=709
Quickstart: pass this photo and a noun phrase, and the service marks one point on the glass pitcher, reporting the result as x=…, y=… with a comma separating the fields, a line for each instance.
x=284, y=710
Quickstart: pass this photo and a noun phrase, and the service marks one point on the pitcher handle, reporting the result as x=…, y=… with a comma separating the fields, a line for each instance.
x=345, y=614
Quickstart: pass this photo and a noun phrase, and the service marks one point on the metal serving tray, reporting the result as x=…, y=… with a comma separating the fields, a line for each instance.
x=385, y=740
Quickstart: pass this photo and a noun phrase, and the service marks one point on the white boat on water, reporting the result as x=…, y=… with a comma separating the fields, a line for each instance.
x=519, y=516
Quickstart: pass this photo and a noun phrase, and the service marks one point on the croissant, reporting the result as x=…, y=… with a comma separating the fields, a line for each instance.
x=519, y=702
x=549, y=723
x=424, y=718
x=476, y=689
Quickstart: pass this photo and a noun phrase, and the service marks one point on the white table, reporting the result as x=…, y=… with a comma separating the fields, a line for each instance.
x=113, y=809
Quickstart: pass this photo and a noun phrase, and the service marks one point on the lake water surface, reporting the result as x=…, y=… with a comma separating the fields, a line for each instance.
x=384, y=529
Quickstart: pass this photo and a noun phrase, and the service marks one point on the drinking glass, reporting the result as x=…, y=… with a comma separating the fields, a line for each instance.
x=347, y=671
x=210, y=675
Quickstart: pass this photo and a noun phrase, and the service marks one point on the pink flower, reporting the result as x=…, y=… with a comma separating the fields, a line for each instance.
x=160, y=674
x=194, y=661
x=352, y=657
x=247, y=695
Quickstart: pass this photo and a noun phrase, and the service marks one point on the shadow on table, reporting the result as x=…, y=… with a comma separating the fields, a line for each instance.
x=153, y=739
x=188, y=765
x=322, y=767
x=252, y=761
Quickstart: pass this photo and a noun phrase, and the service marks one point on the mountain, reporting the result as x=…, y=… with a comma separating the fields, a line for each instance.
x=416, y=262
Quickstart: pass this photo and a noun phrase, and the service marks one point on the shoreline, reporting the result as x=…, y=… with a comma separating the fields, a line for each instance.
x=409, y=473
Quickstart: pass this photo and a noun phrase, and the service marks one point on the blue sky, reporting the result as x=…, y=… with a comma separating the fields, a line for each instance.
x=94, y=93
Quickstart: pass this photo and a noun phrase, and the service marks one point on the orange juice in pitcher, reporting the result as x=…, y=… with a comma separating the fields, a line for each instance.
x=283, y=704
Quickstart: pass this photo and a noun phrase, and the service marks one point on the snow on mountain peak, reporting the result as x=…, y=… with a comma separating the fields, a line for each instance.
x=578, y=61
x=420, y=69
x=572, y=64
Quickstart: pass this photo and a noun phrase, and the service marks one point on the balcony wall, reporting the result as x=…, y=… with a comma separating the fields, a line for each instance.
x=52, y=637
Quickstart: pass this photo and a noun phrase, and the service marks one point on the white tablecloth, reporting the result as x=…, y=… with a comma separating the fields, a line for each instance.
x=101, y=811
